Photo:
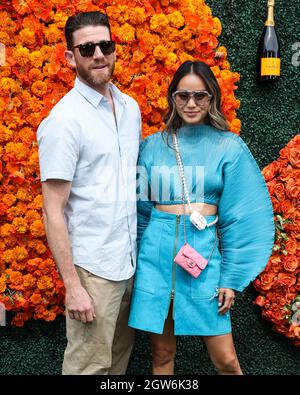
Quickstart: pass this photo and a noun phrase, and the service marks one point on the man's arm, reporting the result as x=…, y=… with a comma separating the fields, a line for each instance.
x=55, y=196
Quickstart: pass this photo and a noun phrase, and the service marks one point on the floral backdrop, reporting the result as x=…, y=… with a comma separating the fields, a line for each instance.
x=153, y=38
x=279, y=283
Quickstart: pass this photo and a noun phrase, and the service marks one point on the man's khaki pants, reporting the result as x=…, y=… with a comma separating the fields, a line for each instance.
x=104, y=346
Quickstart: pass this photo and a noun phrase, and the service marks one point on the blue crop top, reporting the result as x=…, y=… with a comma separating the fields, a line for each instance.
x=219, y=170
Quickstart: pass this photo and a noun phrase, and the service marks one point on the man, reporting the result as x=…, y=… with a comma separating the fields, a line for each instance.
x=88, y=148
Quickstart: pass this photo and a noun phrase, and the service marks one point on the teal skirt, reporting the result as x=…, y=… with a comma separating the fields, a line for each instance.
x=158, y=280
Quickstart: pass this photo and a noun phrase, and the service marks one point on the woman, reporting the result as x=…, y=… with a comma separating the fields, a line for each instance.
x=225, y=186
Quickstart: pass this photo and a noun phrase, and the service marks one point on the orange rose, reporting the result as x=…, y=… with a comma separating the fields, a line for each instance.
x=266, y=280
x=290, y=263
x=279, y=191
x=293, y=188
x=285, y=280
x=270, y=171
x=291, y=246
x=294, y=157
x=260, y=300
x=287, y=208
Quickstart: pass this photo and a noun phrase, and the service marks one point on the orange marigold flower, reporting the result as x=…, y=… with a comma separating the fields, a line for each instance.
x=60, y=19
x=9, y=199
x=2, y=284
x=24, y=195
x=14, y=277
x=38, y=246
x=41, y=10
x=20, y=253
x=37, y=202
x=8, y=86
x=36, y=58
x=5, y=38
x=126, y=33
x=20, y=225
x=44, y=283
x=189, y=45
x=160, y=52
x=37, y=229
x=35, y=74
x=118, y=13
x=6, y=230
x=33, y=264
x=136, y=15
x=21, y=55
x=39, y=88
x=176, y=19
x=217, y=29
x=29, y=281
x=171, y=60
x=49, y=315
x=16, y=151
x=27, y=37
x=159, y=22
x=235, y=126
x=5, y=134
x=162, y=103
x=7, y=23
x=35, y=298
x=21, y=6
x=34, y=159
x=53, y=34
x=184, y=57
x=216, y=70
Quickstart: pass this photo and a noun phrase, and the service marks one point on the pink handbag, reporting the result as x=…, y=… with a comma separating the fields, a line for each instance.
x=190, y=260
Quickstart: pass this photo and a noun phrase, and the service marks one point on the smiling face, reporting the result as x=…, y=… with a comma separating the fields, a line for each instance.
x=192, y=113
x=96, y=70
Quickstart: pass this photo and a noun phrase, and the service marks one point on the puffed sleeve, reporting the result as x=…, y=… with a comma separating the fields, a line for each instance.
x=144, y=203
x=246, y=221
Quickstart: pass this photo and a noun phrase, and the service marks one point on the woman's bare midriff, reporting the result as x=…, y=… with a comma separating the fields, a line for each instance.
x=202, y=208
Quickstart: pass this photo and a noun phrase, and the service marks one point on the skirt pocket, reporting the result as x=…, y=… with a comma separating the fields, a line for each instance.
x=148, y=258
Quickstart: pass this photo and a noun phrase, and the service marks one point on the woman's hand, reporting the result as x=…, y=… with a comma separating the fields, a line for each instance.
x=226, y=300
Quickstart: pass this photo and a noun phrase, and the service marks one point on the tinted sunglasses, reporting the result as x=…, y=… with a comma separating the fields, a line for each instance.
x=181, y=98
x=87, y=50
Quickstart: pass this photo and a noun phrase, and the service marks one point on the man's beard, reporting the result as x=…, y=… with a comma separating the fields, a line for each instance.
x=86, y=75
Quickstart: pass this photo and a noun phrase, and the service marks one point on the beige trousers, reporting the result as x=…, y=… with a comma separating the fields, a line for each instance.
x=104, y=346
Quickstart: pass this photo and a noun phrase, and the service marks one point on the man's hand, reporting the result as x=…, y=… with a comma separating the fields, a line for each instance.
x=226, y=300
x=79, y=304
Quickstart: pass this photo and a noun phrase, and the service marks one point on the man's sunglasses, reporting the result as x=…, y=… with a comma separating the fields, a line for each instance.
x=87, y=50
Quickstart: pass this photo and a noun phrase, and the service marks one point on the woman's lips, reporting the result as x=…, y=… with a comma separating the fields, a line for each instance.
x=191, y=114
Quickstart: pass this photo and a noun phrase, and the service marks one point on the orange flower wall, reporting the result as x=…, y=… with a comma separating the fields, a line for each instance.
x=153, y=38
x=279, y=283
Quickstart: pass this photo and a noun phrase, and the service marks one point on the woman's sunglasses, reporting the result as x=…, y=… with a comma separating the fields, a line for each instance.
x=181, y=98
x=87, y=50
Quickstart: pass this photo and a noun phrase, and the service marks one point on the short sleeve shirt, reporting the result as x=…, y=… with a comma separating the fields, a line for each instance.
x=81, y=141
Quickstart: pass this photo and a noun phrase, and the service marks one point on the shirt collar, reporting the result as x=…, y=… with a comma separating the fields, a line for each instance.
x=94, y=97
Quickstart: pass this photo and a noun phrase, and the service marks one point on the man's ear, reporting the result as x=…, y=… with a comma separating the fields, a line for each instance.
x=69, y=56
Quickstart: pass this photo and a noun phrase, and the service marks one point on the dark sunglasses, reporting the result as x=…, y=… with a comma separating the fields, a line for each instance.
x=87, y=50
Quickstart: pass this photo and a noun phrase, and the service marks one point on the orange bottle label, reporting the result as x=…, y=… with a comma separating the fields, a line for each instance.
x=270, y=66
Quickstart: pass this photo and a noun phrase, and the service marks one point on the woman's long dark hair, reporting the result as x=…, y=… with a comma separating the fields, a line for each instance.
x=215, y=116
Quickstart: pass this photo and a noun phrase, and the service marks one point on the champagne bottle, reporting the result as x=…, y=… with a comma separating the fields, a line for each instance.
x=268, y=50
